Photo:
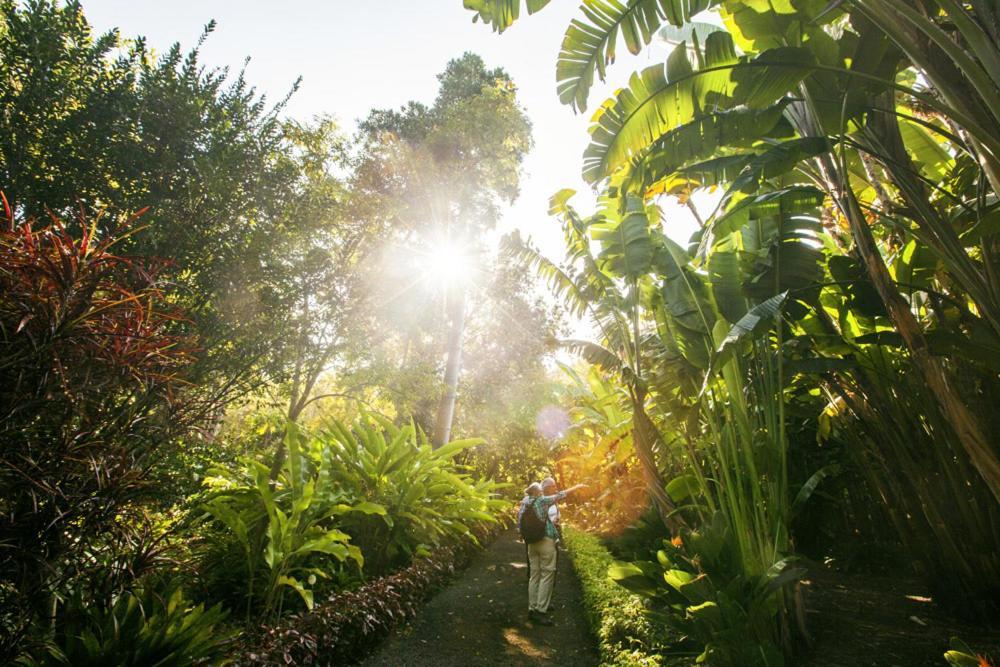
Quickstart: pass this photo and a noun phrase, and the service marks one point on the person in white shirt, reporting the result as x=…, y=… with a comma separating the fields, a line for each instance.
x=549, y=489
x=542, y=552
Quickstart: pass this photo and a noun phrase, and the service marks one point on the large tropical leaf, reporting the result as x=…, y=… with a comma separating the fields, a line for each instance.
x=742, y=171
x=724, y=274
x=758, y=320
x=600, y=356
x=501, y=14
x=627, y=246
x=656, y=100
x=590, y=43
x=778, y=160
x=780, y=203
x=661, y=99
x=574, y=292
x=702, y=138
x=687, y=309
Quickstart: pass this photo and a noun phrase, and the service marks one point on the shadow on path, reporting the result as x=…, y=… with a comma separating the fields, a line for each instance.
x=481, y=619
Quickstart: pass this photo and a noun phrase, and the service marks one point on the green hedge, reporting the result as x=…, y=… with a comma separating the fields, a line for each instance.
x=625, y=637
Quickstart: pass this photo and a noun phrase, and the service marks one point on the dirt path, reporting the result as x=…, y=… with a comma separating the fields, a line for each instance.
x=868, y=621
x=481, y=619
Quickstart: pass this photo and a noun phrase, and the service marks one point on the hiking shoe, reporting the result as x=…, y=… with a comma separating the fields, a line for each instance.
x=540, y=618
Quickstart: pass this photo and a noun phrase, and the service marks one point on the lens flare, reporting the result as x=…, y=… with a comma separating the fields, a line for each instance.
x=552, y=422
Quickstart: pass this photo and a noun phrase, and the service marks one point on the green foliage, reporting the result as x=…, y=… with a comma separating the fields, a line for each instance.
x=626, y=638
x=500, y=14
x=699, y=587
x=407, y=496
x=92, y=382
x=848, y=274
x=286, y=534
x=100, y=120
x=960, y=655
x=139, y=628
x=364, y=498
x=589, y=46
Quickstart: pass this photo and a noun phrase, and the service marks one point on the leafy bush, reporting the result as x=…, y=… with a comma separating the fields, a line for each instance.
x=625, y=636
x=699, y=588
x=90, y=390
x=375, y=493
x=284, y=532
x=348, y=625
x=139, y=628
x=412, y=496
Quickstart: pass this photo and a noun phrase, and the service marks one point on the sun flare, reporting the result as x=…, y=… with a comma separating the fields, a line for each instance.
x=448, y=263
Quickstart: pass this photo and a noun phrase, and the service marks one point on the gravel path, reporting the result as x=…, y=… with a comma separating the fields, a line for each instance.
x=481, y=619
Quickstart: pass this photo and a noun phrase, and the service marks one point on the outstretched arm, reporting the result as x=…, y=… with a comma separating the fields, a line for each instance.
x=562, y=494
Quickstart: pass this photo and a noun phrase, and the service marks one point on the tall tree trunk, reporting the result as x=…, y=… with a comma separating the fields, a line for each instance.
x=446, y=409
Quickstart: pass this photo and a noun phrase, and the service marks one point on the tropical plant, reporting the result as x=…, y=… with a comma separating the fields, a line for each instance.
x=140, y=627
x=699, y=588
x=286, y=531
x=373, y=494
x=869, y=123
x=501, y=13
x=406, y=496
x=92, y=362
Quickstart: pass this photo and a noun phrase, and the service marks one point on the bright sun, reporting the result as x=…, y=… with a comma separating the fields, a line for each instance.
x=447, y=263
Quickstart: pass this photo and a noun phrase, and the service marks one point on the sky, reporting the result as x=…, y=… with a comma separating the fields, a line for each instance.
x=354, y=56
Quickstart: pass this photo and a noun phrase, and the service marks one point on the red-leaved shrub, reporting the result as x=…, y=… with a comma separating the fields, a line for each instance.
x=90, y=363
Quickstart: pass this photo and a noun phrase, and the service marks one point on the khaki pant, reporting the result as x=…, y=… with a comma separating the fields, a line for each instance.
x=542, y=563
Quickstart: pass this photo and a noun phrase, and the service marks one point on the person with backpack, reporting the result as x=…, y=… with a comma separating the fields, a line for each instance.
x=548, y=489
x=540, y=537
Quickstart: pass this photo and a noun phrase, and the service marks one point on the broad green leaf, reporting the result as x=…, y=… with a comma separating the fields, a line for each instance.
x=305, y=594
x=633, y=578
x=501, y=14
x=683, y=487
x=591, y=41
x=627, y=247
x=659, y=99
x=758, y=320
x=726, y=279
x=452, y=448
x=702, y=138
x=782, y=204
